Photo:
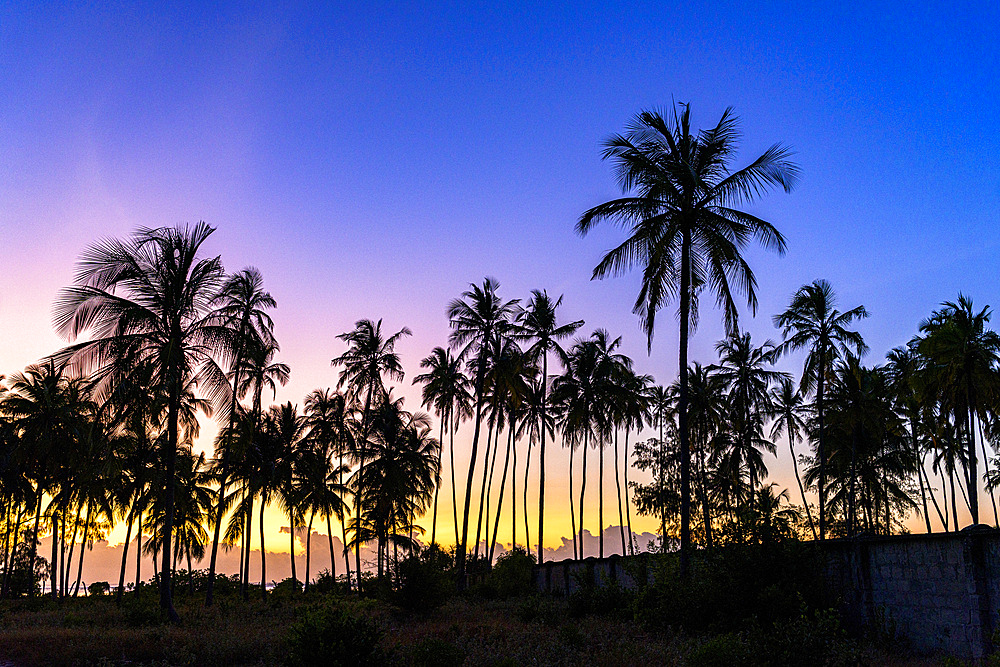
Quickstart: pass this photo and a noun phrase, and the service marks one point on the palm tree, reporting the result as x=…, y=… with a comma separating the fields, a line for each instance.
x=477, y=320
x=144, y=304
x=369, y=356
x=962, y=356
x=446, y=390
x=685, y=230
x=241, y=307
x=541, y=329
x=327, y=417
x=790, y=415
x=812, y=321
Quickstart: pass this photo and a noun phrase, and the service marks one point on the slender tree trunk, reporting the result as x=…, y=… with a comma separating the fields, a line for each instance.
x=138, y=552
x=487, y=474
x=128, y=536
x=487, y=547
x=513, y=490
x=503, y=483
x=55, y=557
x=944, y=494
x=166, y=592
x=454, y=489
x=8, y=556
x=706, y=511
x=34, y=535
x=850, y=513
x=460, y=564
x=918, y=459
x=618, y=493
x=291, y=553
x=524, y=499
x=72, y=548
x=600, y=497
x=333, y=558
x=83, y=550
x=821, y=452
x=583, y=492
x=309, y=532
x=572, y=500
x=343, y=533
x=973, y=468
x=541, y=462
x=930, y=491
x=954, y=499
x=683, y=405
x=248, y=541
x=978, y=425
x=263, y=554
x=437, y=486
x=628, y=506
x=240, y=515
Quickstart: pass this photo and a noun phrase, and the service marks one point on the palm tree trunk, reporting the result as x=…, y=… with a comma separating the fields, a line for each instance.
x=583, y=489
x=291, y=553
x=138, y=552
x=918, y=459
x=524, y=499
x=343, y=530
x=488, y=547
x=9, y=555
x=978, y=424
x=263, y=554
x=821, y=452
x=487, y=473
x=930, y=491
x=600, y=497
x=503, y=483
x=454, y=490
x=683, y=405
x=83, y=550
x=706, y=510
x=166, y=592
x=541, y=462
x=572, y=512
x=248, y=543
x=72, y=545
x=798, y=479
x=973, y=469
x=309, y=532
x=128, y=536
x=628, y=506
x=954, y=499
x=513, y=490
x=55, y=556
x=333, y=559
x=618, y=493
x=469, y=482
x=34, y=535
x=437, y=486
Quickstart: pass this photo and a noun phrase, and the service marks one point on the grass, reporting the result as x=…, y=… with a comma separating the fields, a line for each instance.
x=470, y=631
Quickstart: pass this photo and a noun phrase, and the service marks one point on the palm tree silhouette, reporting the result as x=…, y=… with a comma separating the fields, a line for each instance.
x=685, y=231
x=812, y=321
x=144, y=303
x=369, y=356
x=477, y=320
x=540, y=328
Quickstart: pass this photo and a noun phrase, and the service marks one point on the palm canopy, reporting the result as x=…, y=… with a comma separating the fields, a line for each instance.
x=683, y=191
x=369, y=356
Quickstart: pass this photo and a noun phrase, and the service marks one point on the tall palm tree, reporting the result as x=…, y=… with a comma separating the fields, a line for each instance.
x=541, y=329
x=963, y=355
x=686, y=231
x=790, y=415
x=446, y=390
x=144, y=305
x=327, y=417
x=370, y=355
x=241, y=307
x=813, y=322
x=477, y=320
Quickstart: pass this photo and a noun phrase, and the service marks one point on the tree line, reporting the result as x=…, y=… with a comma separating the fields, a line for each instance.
x=101, y=432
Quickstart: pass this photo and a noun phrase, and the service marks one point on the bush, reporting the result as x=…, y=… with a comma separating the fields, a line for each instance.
x=424, y=581
x=99, y=588
x=726, y=650
x=541, y=609
x=286, y=588
x=512, y=574
x=333, y=635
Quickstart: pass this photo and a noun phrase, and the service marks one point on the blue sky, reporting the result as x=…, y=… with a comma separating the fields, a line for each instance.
x=374, y=159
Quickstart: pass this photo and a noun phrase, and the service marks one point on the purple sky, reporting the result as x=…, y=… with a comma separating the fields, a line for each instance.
x=373, y=160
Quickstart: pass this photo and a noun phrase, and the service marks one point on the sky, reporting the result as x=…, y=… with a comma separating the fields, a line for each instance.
x=374, y=159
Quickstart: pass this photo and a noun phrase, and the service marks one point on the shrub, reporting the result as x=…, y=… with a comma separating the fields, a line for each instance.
x=540, y=609
x=512, y=574
x=286, y=588
x=333, y=635
x=424, y=581
x=725, y=650
x=99, y=588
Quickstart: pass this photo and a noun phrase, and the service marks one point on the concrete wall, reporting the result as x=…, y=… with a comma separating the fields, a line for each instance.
x=941, y=591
